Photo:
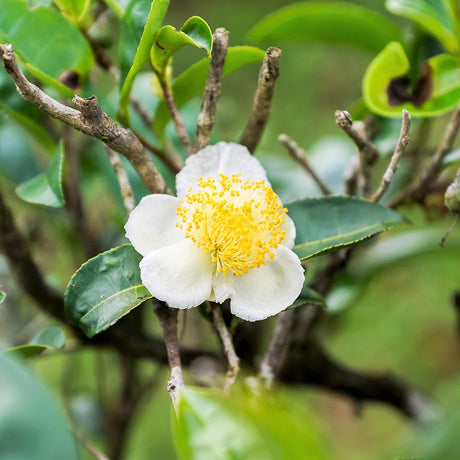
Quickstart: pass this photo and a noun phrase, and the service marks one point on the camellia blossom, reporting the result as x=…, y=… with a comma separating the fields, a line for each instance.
x=225, y=236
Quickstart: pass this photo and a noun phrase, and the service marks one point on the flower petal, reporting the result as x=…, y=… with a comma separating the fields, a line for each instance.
x=151, y=225
x=180, y=275
x=267, y=290
x=289, y=227
x=222, y=158
x=222, y=287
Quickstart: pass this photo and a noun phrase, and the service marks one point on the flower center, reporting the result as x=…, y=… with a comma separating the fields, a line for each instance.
x=238, y=223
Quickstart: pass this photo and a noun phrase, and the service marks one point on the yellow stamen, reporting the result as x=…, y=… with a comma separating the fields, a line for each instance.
x=238, y=223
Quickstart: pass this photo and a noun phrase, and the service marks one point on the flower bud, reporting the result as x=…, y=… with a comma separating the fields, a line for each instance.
x=452, y=195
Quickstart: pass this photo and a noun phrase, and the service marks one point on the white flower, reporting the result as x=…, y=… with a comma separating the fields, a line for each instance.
x=225, y=236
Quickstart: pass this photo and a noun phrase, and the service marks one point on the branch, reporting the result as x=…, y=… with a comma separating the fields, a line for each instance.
x=262, y=99
x=212, y=91
x=15, y=248
x=417, y=190
x=227, y=342
x=178, y=123
x=123, y=181
x=174, y=166
x=144, y=116
x=74, y=201
x=168, y=321
x=351, y=175
x=456, y=305
x=403, y=141
x=275, y=353
x=301, y=157
x=91, y=448
x=311, y=365
x=368, y=152
x=28, y=275
x=90, y=119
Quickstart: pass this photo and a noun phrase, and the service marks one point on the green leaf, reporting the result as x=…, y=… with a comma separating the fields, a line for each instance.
x=195, y=32
x=308, y=297
x=131, y=28
x=35, y=129
x=392, y=63
x=104, y=289
x=38, y=36
x=49, y=338
x=31, y=425
x=333, y=222
x=46, y=188
x=331, y=22
x=213, y=426
x=192, y=81
x=76, y=11
x=431, y=17
x=157, y=12
x=2, y=296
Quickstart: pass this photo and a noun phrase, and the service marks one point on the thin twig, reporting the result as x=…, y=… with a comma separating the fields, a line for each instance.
x=449, y=230
x=368, y=152
x=403, y=141
x=90, y=119
x=178, y=123
x=144, y=116
x=123, y=181
x=102, y=58
x=74, y=200
x=351, y=174
x=174, y=166
x=212, y=90
x=262, y=100
x=456, y=305
x=274, y=354
x=91, y=448
x=227, y=342
x=168, y=321
x=415, y=191
x=301, y=157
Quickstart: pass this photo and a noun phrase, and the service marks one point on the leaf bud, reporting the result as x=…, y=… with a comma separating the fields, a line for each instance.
x=452, y=195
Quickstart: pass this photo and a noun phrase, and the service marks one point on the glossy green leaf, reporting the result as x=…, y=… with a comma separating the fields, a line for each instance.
x=430, y=16
x=49, y=338
x=192, y=81
x=35, y=129
x=46, y=188
x=155, y=17
x=37, y=35
x=308, y=297
x=331, y=22
x=31, y=424
x=332, y=222
x=76, y=11
x=104, y=289
x=131, y=28
x=195, y=32
x=393, y=63
x=212, y=426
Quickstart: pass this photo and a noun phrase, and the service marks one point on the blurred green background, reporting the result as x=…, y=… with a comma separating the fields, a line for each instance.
x=402, y=321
